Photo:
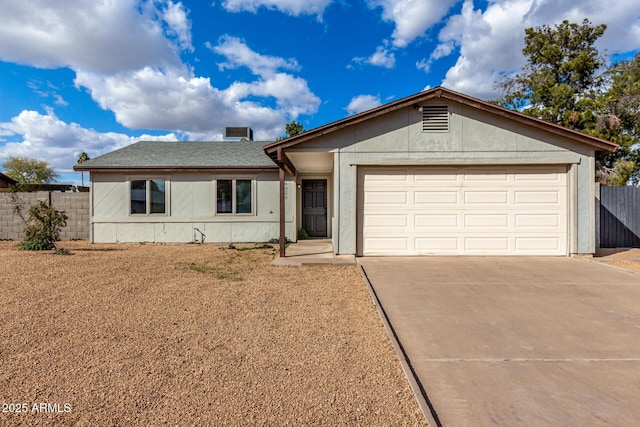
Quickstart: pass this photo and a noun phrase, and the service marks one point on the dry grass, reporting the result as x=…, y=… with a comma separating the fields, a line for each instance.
x=192, y=335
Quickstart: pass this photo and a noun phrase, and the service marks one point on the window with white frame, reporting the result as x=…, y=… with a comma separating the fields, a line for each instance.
x=148, y=196
x=234, y=196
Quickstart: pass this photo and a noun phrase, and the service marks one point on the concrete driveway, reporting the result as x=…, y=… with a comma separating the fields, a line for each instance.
x=517, y=341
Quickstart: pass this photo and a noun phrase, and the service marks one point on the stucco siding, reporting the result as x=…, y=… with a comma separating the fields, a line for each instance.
x=191, y=205
x=474, y=137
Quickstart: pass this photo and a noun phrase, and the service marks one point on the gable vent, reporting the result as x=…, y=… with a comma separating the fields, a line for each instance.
x=435, y=118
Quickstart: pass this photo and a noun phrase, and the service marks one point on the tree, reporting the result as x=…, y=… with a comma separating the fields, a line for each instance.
x=81, y=159
x=560, y=83
x=619, y=121
x=292, y=128
x=29, y=171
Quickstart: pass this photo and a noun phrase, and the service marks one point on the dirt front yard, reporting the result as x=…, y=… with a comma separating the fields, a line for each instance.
x=628, y=258
x=191, y=335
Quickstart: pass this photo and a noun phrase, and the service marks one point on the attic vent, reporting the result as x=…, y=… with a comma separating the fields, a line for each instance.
x=238, y=133
x=435, y=118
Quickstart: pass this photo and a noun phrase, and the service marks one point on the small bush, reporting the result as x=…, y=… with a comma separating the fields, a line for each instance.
x=302, y=234
x=42, y=228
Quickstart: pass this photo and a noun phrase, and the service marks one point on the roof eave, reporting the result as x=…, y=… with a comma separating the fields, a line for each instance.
x=170, y=168
x=439, y=92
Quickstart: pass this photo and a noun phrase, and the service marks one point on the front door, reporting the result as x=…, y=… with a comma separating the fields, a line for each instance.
x=314, y=207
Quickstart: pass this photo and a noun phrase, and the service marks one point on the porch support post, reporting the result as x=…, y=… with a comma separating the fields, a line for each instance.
x=282, y=213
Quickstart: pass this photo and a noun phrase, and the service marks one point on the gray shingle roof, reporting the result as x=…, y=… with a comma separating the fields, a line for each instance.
x=182, y=155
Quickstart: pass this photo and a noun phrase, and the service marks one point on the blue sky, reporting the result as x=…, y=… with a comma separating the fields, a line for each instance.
x=97, y=75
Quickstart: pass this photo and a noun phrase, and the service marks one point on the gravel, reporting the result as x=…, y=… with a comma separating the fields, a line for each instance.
x=628, y=258
x=136, y=334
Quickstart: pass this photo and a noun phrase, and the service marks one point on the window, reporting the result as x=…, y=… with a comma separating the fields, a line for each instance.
x=234, y=196
x=435, y=118
x=148, y=196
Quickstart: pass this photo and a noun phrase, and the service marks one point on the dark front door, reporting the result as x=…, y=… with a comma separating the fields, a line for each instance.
x=314, y=207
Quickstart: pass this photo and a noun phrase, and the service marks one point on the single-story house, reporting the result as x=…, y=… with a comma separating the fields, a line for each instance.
x=438, y=172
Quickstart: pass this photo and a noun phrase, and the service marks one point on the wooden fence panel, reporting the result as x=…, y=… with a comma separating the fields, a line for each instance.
x=619, y=217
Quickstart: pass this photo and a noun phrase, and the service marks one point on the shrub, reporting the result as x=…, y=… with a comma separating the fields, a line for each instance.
x=42, y=228
x=302, y=234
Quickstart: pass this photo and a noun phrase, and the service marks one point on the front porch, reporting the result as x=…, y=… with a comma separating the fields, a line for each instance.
x=312, y=252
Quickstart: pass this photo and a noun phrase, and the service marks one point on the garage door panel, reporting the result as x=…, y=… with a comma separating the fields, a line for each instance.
x=537, y=243
x=486, y=176
x=436, y=198
x=486, y=197
x=446, y=176
x=386, y=198
x=537, y=220
x=436, y=221
x=436, y=245
x=551, y=197
x=541, y=174
x=486, y=220
x=385, y=221
x=386, y=178
x=486, y=244
x=387, y=244
x=476, y=211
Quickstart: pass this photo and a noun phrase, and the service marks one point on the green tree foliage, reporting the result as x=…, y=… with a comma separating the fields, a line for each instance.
x=619, y=121
x=42, y=228
x=559, y=75
x=294, y=128
x=29, y=171
x=560, y=83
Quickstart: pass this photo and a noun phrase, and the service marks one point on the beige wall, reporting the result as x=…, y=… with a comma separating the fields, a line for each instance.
x=191, y=206
x=475, y=137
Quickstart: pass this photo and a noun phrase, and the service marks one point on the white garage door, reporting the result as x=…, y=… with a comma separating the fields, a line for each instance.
x=462, y=211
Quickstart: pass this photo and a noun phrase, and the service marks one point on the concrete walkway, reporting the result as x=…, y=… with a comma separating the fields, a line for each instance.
x=516, y=341
x=312, y=252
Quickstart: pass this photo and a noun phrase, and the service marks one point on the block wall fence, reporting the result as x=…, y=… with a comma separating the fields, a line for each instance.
x=74, y=205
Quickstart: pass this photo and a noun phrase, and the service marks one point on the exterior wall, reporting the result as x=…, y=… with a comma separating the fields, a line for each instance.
x=74, y=205
x=191, y=206
x=474, y=138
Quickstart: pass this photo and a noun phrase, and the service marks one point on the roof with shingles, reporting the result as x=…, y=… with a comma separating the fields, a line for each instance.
x=183, y=155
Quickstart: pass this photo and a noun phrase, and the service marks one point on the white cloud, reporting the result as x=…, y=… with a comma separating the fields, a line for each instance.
x=238, y=55
x=175, y=99
x=490, y=42
x=46, y=137
x=412, y=18
x=126, y=55
x=105, y=37
x=175, y=16
x=382, y=57
x=290, y=7
x=362, y=103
